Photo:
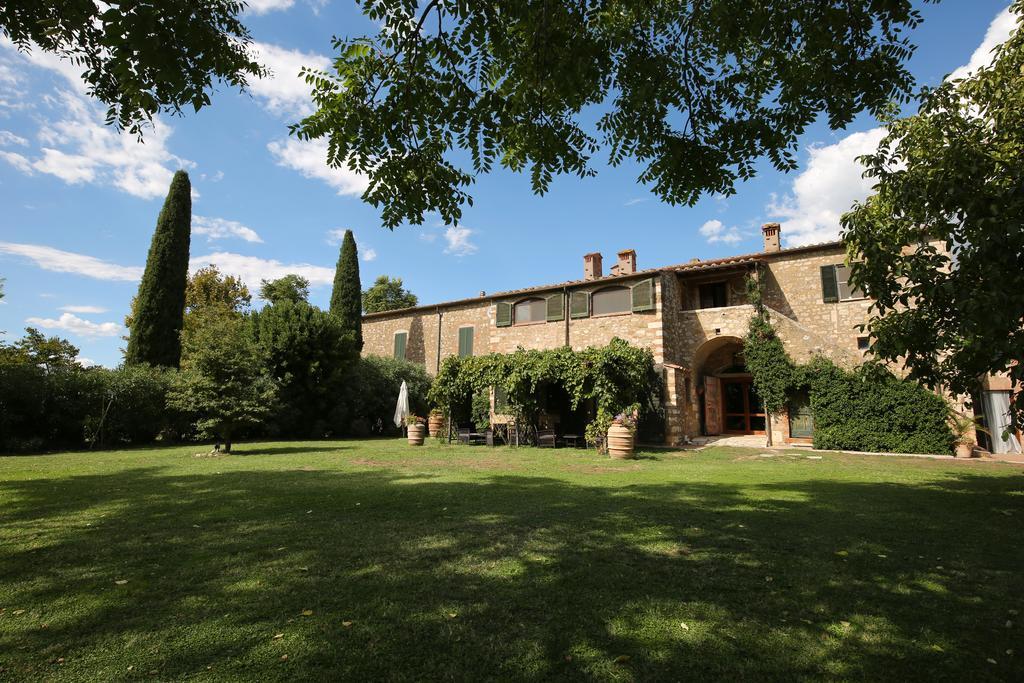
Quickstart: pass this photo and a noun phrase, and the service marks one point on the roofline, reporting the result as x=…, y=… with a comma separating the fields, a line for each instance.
x=697, y=267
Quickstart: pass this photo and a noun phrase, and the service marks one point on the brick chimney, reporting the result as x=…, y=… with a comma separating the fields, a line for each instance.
x=627, y=262
x=771, y=232
x=592, y=266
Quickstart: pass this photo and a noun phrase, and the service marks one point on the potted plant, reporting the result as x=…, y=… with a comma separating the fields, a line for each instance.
x=622, y=435
x=417, y=429
x=435, y=423
x=963, y=428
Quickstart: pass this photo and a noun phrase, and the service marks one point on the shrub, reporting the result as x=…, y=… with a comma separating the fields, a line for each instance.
x=306, y=351
x=870, y=409
x=371, y=392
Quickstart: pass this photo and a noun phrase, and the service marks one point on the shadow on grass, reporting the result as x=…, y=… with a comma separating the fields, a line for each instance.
x=407, y=576
x=258, y=449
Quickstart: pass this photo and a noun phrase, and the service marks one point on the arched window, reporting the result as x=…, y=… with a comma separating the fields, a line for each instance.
x=530, y=311
x=611, y=300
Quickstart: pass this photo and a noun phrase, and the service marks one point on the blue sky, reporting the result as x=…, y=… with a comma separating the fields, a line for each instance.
x=80, y=201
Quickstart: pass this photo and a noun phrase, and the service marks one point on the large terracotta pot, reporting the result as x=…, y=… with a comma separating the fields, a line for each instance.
x=436, y=425
x=965, y=450
x=416, y=434
x=620, y=442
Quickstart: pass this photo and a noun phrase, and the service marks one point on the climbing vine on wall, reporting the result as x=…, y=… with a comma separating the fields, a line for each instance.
x=765, y=356
x=866, y=409
x=616, y=377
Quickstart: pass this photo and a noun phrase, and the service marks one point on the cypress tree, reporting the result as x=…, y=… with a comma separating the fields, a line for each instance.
x=347, y=296
x=155, y=335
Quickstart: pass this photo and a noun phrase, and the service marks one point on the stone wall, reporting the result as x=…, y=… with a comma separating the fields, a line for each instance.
x=640, y=329
x=792, y=289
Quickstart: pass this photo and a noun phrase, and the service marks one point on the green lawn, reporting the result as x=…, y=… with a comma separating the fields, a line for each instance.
x=375, y=560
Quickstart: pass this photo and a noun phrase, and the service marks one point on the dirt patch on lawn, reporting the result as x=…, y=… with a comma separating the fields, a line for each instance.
x=600, y=469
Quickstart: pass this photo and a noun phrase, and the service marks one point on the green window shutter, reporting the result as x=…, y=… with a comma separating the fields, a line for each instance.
x=400, y=340
x=504, y=314
x=579, y=305
x=829, y=286
x=556, y=307
x=643, y=296
x=465, y=341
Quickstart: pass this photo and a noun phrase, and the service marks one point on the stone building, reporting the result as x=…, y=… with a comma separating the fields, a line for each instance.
x=692, y=316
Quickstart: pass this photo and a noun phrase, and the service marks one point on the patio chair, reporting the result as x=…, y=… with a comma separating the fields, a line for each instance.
x=463, y=433
x=546, y=438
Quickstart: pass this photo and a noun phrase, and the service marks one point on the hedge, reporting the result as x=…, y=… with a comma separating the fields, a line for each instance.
x=870, y=409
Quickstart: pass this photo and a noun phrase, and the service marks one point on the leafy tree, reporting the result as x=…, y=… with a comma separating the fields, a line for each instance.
x=940, y=245
x=156, y=328
x=207, y=290
x=695, y=92
x=369, y=391
x=36, y=349
x=347, y=295
x=293, y=288
x=222, y=384
x=139, y=58
x=387, y=295
x=306, y=350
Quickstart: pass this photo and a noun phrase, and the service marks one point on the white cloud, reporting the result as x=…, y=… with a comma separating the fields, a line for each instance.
x=369, y=255
x=998, y=31
x=78, y=147
x=716, y=231
x=832, y=179
x=60, y=261
x=334, y=237
x=9, y=138
x=86, y=362
x=72, y=324
x=83, y=309
x=826, y=189
x=283, y=92
x=252, y=269
x=18, y=161
x=310, y=159
x=637, y=200
x=220, y=228
x=428, y=236
x=458, y=239
x=264, y=6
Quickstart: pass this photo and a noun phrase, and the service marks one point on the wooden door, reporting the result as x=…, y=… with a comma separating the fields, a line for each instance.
x=712, y=406
x=742, y=410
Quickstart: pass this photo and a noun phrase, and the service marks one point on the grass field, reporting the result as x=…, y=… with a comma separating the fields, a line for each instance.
x=373, y=560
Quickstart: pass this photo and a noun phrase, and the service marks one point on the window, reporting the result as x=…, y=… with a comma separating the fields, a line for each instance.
x=713, y=295
x=400, y=342
x=863, y=343
x=531, y=311
x=835, y=284
x=465, y=341
x=611, y=300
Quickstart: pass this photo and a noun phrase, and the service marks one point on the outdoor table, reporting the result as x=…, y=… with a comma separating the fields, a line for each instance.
x=570, y=439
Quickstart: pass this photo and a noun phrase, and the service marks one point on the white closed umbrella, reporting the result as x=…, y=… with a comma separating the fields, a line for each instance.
x=402, y=409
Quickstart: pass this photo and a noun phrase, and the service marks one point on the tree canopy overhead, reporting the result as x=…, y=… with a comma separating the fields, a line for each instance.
x=940, y=245
x=696, y=92
x=138, y=57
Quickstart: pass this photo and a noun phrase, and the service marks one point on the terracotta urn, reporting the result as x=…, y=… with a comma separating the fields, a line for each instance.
x=620, y=442
x=436, y=424
x=416, y=434
x=965, y=450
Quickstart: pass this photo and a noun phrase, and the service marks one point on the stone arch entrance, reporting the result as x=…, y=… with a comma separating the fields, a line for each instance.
x=729, y=404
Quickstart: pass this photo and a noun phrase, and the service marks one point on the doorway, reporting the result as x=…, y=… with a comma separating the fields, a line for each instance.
x=742, y=410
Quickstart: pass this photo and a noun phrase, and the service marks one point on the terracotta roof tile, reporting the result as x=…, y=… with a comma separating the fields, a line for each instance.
x=694, y=266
